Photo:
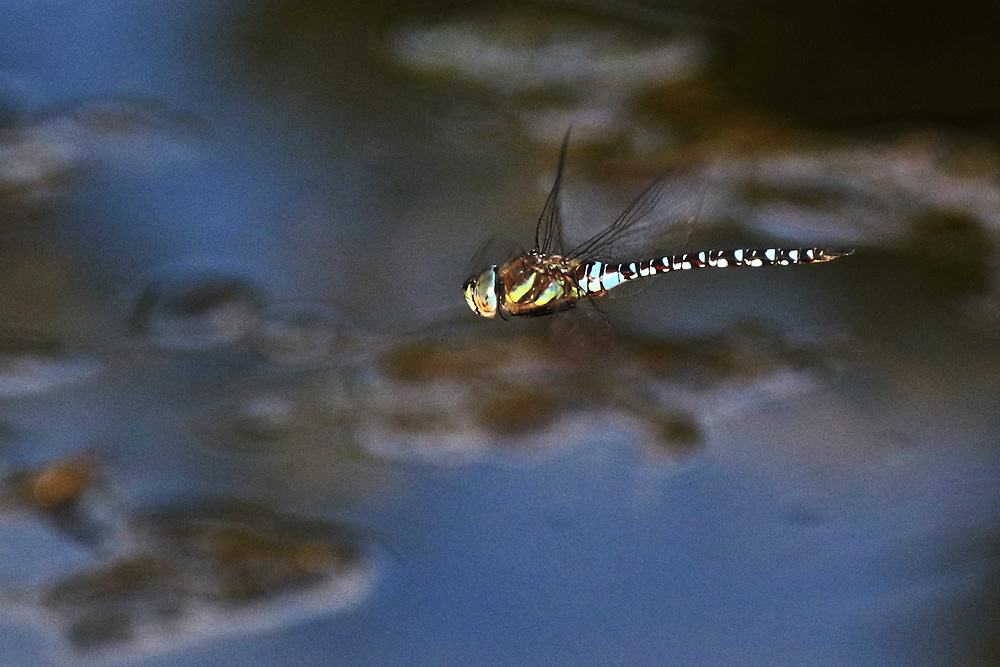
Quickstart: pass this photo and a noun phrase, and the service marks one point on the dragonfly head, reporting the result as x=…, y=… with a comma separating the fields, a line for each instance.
x=481, y=292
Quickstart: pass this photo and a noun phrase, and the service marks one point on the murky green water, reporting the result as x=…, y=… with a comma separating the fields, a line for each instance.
x=247, y=418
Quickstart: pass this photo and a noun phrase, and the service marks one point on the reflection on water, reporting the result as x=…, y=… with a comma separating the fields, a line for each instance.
x=222, y=568
x=64, y=494
x=229, y=384
x=281, y=416
x=40, y=154
x=193, y=307
x=460, y=397
x=301, y=333
x=54, y=487
x=552, y=67
x=32, y=363
x=469, y=396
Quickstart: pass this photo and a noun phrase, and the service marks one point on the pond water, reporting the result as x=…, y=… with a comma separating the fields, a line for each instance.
x=247, y=418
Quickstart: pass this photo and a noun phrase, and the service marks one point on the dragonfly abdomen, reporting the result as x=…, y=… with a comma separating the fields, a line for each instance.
x=597, y=277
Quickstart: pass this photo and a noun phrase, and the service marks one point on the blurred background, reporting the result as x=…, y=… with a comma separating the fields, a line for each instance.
x=246, y=417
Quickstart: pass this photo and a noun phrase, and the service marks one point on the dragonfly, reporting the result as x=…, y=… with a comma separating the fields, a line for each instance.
x=549, y=279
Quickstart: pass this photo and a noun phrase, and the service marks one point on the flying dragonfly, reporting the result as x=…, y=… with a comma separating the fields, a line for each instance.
x=550, y=279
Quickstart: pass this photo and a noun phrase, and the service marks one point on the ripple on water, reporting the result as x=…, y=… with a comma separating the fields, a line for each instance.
x=32, y=364
x=302, y=334
x=197, y=307
x=267, y=418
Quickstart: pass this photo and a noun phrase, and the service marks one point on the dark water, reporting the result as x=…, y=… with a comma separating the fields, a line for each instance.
x=245, y=417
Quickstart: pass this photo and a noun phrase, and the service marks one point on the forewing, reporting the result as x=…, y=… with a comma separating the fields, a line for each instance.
x=495, y=250
x=548, y=232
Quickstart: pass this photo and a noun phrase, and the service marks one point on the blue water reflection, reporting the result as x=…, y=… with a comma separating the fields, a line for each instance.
x=246, y=417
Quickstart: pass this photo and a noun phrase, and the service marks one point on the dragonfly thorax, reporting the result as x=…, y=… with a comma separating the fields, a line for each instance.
x=532, y=284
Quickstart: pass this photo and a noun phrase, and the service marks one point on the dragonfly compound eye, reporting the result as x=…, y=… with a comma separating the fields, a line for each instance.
x=480, y=293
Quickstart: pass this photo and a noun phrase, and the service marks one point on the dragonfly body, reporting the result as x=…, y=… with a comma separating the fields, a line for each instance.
x=534, y=285
x=548, y=280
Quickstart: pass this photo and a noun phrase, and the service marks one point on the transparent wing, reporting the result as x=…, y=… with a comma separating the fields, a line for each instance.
x=663, y=213
x=640, y=208
x=548, y=233
x=583, y=332
x=495, y=250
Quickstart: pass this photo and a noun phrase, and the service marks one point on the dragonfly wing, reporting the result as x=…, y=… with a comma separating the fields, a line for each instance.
x=495, y=250
x=583, y=332
x=640, y=207
x=668, y=205
x=548, y=233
